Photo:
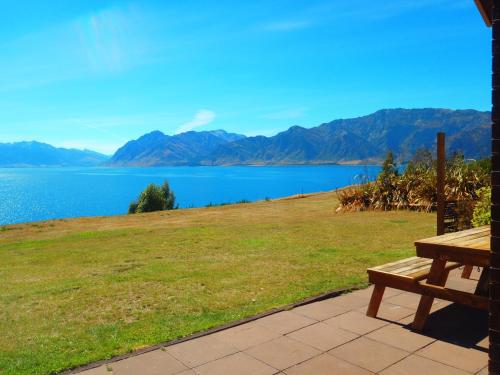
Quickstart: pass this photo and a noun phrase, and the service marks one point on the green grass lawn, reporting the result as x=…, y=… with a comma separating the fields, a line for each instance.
x=76, y=291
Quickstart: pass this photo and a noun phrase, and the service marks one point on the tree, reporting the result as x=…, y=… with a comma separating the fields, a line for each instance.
x=151, y=199
x=169, y=196
x=154, y=198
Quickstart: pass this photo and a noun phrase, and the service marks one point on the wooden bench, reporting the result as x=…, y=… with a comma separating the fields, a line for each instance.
x=404, y=275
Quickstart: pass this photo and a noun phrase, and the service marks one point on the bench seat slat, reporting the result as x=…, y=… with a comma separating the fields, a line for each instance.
x=399, y=263
x=409, y=270
x=406, y=265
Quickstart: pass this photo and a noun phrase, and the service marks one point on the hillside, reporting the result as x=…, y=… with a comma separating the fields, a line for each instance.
x=359, y=140
x=297, y=145
x=36, y=154
x=157, y=149
x=93, y=288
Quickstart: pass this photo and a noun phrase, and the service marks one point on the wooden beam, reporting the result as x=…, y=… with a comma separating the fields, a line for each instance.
x=454, y=295
x=485, y=13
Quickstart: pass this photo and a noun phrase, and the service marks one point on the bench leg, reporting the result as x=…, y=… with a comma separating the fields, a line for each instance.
x=375, y=300
x=437, y=276
x=483, y=285
x=466, y=272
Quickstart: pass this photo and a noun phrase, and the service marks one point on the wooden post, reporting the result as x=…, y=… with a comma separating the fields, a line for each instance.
x=441, y=162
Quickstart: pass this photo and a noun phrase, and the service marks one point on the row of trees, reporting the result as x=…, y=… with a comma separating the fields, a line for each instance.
x=154, y=198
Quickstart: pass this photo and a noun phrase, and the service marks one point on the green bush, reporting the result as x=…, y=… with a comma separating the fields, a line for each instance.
x=482, y=211
x=154, y=198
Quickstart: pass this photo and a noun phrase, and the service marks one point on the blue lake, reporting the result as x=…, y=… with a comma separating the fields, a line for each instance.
x=34, y=194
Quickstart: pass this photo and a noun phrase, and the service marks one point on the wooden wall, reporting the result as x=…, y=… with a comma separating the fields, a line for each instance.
x=494, y=322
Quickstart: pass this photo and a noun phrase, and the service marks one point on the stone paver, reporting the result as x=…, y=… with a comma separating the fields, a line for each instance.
x=321, y=310
x=367, y=292
x=400, y=337
x=283, y=352
x=454, y=355
x=201, y=350
x=285, y=322
x=101, y=370
x=405, y=299
x=352, y=301
x=322, y=336
x=333, y=336
x=357, y=322
x=415, y=365
x=326, y=364
x=247, y=335
x=391, y=312
x=187, y=372
x=436, y=306
x=239, y=363
x=157, y=362
x=369, y=354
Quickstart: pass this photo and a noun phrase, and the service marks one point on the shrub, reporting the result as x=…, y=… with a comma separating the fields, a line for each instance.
x=151, y=199
x=482, y=211
x=169, y=196
x=415, y=188
x=356, y=198
x=154, y=198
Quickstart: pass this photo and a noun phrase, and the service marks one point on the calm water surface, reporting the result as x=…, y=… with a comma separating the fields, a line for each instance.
x=34, y=194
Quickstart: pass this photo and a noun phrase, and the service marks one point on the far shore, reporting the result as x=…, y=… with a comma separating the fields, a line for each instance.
x=357, y=163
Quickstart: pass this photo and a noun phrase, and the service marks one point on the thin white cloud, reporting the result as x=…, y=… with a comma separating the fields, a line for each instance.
x=285, y=25
x=201, y=118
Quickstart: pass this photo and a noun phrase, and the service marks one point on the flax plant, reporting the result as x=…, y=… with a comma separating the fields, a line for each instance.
x=415, y=188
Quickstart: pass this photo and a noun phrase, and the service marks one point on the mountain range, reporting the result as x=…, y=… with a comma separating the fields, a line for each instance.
x=36, y=154
x=364, y=139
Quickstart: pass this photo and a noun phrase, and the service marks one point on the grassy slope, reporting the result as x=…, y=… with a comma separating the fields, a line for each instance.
x=75, y=291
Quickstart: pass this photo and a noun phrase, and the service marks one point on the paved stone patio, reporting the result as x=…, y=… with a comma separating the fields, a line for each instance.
x=333, y=336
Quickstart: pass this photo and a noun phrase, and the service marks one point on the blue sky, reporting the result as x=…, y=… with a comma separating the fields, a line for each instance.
x=95, y=74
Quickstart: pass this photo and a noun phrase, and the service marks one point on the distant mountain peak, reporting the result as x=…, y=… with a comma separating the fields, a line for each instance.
x=153, y=134
x=156, y=148
x=296, y=128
